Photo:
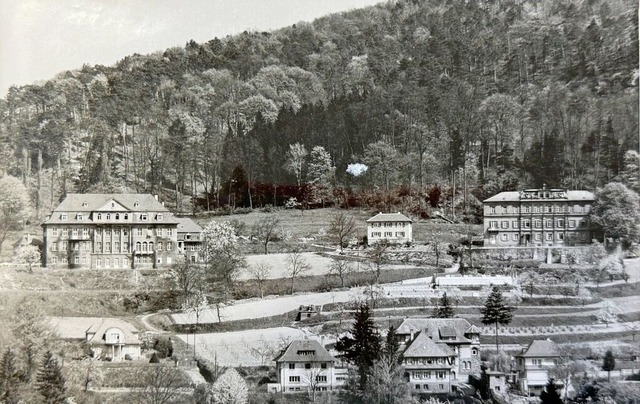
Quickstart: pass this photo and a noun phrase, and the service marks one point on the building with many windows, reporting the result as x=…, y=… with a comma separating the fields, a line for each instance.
x=439, y=353
x=109, y=231
x=189, y=239
x=534, y=364
x=391, y=227
x=538, y=217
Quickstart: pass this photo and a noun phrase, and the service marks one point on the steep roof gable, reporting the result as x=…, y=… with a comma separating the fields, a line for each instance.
x=423, y=346
x=304, y=350
x=541, y=349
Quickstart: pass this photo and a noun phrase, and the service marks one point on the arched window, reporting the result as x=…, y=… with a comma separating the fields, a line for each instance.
x=144, y=246
x=117, y=216
x=151, y=246
x=474, y=351
x=108, y=216
x=99, y=216
x=138, y=246
x=126, y=216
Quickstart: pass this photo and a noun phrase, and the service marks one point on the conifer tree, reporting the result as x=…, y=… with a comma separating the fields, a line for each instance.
x=50, y=381
x=9, y=377
x=444, y=309
x=550, y=395
x=496, y=311
x=608, y=363
x=391, y=350
x=362, y=348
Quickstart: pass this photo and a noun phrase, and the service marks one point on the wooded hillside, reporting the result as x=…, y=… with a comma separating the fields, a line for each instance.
x=497, y=95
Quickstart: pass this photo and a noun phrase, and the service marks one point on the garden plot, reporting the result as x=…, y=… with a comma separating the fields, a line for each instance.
x=279, y=265
x=244, y=348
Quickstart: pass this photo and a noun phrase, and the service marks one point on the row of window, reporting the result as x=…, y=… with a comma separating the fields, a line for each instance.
x=440, y=374
x=549, y=236
x=387, y=234
x=115, y=216
x=539, y=209
x=423, y=361
x=116, y=247
x=426, y=387
x=537, y=223
x=389, y=224
x=107, y=233
x=296, y=379
x=307, y=365
x=108, y=262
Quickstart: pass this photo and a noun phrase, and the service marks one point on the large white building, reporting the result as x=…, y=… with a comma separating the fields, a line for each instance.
x=534, y=363
x=390, y=227
x=538, y=217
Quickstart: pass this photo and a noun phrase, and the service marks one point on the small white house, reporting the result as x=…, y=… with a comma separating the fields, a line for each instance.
x=534, y=363
x=114, y=338
x=391, y=227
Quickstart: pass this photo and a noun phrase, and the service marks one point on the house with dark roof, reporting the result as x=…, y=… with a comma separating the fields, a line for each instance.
x=189, y=239
x=440, y=353
x=306, y=365
x=109, y=231
x=538, y=217
x=390, y=227
x=534, y=363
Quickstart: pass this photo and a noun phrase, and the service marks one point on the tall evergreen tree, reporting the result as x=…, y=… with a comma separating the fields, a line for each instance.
x=496, y=311
x=608, y=363
x=550, y=395
x=9, y=377
x=50, y=381
x=444, y=309
x=391, y=350
x=362, y=347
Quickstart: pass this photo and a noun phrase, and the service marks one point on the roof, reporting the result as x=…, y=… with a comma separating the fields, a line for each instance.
x=473, y=330
x=540, y=349
x=460, y=325
x=423, y=346
x=74, y=204
x=186, y=225
x=515, y=196
x=77, y=327
x=389, y=217
x=292, y=353
x=100, y=328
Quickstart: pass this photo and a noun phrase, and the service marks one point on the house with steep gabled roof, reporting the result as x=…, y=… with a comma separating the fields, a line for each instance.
x=102, y=231
x=304, y=365
x=450, y=336
x=534, y=363
x=389, y=227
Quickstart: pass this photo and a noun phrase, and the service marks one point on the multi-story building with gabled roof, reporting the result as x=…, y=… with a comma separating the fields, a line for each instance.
x=538, y=217
x=440, y=353
x=109, y=231
x=534, y=364
x=189, y=239
x=390, y=227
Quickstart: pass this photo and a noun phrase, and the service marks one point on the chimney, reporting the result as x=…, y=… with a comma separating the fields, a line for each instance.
x=411, y=331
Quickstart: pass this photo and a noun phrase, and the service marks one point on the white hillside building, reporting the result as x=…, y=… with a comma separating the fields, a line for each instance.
x=392, y=227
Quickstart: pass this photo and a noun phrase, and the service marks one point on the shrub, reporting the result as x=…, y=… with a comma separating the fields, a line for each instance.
x=164, y=347
x=154, y=358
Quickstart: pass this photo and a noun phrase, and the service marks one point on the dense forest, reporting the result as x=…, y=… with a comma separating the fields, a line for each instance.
x=419, y=98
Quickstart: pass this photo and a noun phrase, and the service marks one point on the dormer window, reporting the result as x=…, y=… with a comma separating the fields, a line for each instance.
x=85, y=204
x=99, y=217
x=80, y=216
x=126, y=216
x=117, y=216
x=108, y=216
x=143, y=216
x=113, y=205
x=63, y=216
x=159, y=217
x=136, y=204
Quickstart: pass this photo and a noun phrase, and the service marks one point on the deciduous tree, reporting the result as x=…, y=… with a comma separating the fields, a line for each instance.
x=161, y=383
x=266, y=229
x=617, y=211
x=186, y=277
x=341, y=268
x=230, y=388
x=296, y=266
x=14, y=206
x=28, y=254
x=496, y=311
x=260, y=273
x=296, y=156
x=342, y=227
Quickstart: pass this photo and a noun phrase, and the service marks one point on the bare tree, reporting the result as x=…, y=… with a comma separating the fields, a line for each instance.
x=260, y=273
x=313, y=377
x=377, y=257
x=341, y=268
x=297, y=265
x=196, y=305
x=264, y=350
x=341, y=227
x=161, y=384
x=265, y=229
x=186, y=276
x=85, y=373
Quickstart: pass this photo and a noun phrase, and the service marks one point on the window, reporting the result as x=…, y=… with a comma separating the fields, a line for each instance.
x=514, y=224
x=159, y=261
x=108, y=216
x=64, y=246
x=493, y=224
x=572, y=223
x=515, y=237
x=307, y=366
x=126, y=216
x=399, y=234
x=159, y=247
x=125, y=262
x=526, y=223
x=107, y=262
x=321, y=378
x=440, y=374
x=99, y=216
x=85, y=233
x=151, y=246
x=504, y=224
x=143, y=217
x=65, y=232
x=294, y=379
x=538, y=236
x=136, y=204
x=116, y=262
x=323, y=365
x=388, y=234
x=159, y=217
x=158, y=231
x=63, y=216
x=139, y=232
x=537, y=223
x=549, y=236
x=116, y=247
x=84, y=260
x=144, y=246
x=417, y=387
x=504, y=237
x=76, y=260
x=292, y=366
x=169, y=260
x=107, y=247
x=536, y=362
x=474, y=351
x=560, y=236
x=75, y=246
x=98, y=262
x=98, y=246
x=85, y=204
x=169, y=245
x=54, y=232
x=138, y=246
x=117, y=216
x=54, y=260
x=125, y=247
x=54, y=247
x=64, y=259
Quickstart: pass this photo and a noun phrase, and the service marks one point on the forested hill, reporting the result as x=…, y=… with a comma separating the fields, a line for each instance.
x=507, y=94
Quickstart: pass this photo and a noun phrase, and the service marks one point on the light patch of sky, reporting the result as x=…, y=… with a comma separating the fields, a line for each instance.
x=40, y=38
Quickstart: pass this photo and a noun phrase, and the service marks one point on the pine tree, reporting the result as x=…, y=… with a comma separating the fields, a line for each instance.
x=9, y=377
x=362, y=348
x=496, y=311
x=50, y=381
x=391, y=350
x=608, y=363
x=444, y=309
x=550, y=395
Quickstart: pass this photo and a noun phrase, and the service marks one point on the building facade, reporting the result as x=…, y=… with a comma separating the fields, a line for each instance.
x=439, y=353
x=534, y=363
x=114, y=339
x=189, y=239
x=390, y=227
x=538, y=217
x=102, y=231
x=305, y=365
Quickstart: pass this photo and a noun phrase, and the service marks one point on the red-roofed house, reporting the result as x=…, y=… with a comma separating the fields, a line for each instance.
x=533, y=365
x=391, y=227
x=306, y=364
